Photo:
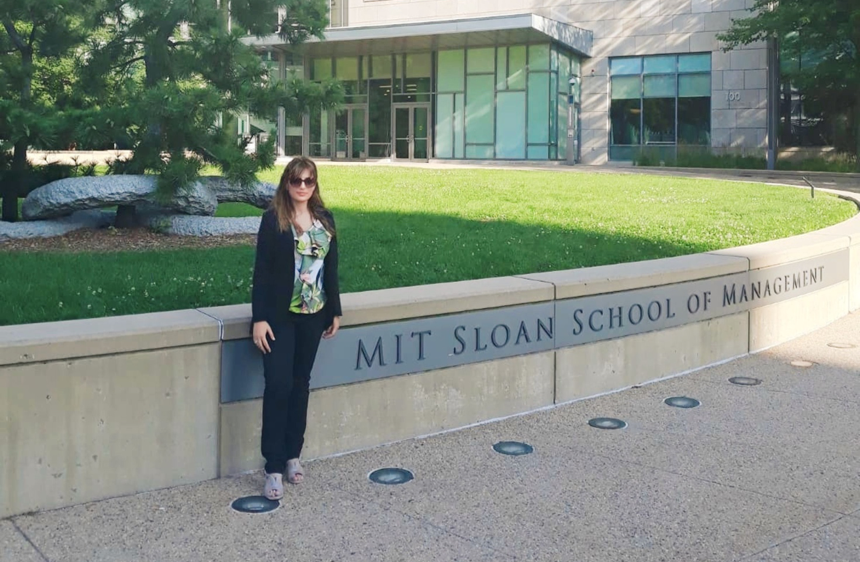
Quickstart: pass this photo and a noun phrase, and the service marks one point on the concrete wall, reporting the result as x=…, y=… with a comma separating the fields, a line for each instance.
x=92, y=409
x=622, y=28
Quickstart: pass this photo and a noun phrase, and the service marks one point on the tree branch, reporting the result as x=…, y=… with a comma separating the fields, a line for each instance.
x=14, y=36
x=32, y=37
x=128, y=63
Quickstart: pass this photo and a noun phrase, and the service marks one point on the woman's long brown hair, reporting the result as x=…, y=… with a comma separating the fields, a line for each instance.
x=282, y=203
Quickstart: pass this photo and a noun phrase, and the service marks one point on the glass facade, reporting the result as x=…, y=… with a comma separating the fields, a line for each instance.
x=506, y=102
x=661, y=102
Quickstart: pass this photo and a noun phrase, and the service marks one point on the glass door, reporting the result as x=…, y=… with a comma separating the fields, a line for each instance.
x=358, y=133
x=412, y=131
x=402, y=134
x=350, y=133
x=420, y=132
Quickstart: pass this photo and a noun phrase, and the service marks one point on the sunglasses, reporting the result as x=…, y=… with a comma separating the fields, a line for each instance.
x=309, y=182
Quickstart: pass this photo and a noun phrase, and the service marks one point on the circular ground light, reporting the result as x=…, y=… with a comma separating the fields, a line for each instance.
x=745, y=381
x=607, y=423
x=391, y=476
x=682, y=402
x=255, y=504
x=802, y=363
x=514, y=448
x=841, y=345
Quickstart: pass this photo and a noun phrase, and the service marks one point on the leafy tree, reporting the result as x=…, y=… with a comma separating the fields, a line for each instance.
x=185, y=65
x=37, y=41
x=830, y=29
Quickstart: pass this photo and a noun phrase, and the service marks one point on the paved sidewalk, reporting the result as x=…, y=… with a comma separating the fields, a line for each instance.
x=756, y=473
x=821, y=180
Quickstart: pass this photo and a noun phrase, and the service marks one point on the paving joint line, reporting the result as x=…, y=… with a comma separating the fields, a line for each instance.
x=422, y=520
x=27, y=538
x=795, y=537
x=778, y=391
x=721, y=484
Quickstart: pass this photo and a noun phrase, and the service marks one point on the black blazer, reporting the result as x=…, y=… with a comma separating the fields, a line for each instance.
x=274, y=273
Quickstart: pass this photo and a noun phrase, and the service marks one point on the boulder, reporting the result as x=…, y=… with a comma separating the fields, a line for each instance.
x=259, y=194
x=186, y=225
x=65, y=196
x=56, y=227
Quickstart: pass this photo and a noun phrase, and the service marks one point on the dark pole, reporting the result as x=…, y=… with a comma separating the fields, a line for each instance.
x=772, y=100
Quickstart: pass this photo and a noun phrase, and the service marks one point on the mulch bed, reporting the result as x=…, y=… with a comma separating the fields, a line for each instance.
x=121, y=240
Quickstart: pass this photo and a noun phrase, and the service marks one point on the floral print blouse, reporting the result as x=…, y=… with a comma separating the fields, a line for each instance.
x=311, y=249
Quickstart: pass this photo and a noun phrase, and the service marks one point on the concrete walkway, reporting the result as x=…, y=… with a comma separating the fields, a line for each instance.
x=756, y=473
x=821, y=180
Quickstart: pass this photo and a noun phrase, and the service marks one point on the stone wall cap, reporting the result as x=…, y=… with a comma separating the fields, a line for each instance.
x=52, y=341
x=386, y=305
x=617, y=277
x=787, y=250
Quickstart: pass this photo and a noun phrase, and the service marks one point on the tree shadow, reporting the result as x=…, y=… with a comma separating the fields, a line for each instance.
x=386, y=249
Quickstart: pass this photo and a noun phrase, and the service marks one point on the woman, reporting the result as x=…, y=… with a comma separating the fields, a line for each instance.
x=295, y=301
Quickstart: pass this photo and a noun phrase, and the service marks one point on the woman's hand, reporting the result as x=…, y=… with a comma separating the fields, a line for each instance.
x=332, y=330
x=261, y=332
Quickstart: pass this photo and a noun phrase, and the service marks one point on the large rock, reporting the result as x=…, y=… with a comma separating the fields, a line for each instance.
x=259, y=194
x=63, y=197
x=185, y=225
x=56, y=227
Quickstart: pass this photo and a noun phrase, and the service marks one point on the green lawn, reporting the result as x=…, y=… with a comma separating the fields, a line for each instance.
x=406, y=226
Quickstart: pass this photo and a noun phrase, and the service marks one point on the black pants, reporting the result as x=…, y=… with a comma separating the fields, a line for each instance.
x=287, y=370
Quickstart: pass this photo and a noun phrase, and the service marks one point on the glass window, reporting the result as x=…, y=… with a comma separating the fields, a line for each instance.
x=479, y=109
x=483, y=152
x=694, y=85
x=417, y=79
x=660, y=65
x=502, y=68
x=293, y=146
x=659, y=86
x=381, y=67
x=694, y=121
x=625, y=115
x=659, y=120
x=538, y=153
x=481, y=60
x=562, y=125
x=321, y=69
x=700, y=62
x=625, y=65
x=538, y=105
x=539, y=57
x=563, y=72
x=319, y=132
x=575, y=66
x=379, y=106
x=398, y=73
x=347, y=68
x=511, y=123
x=418, y=65
x=444, y=126
x=517, y=68
x=553, y=107
x=626, y=87
x=459, y=125
x=451, y=71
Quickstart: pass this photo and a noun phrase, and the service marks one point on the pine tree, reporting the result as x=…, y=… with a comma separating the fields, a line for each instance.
x=37, y=41
x=185, y=66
